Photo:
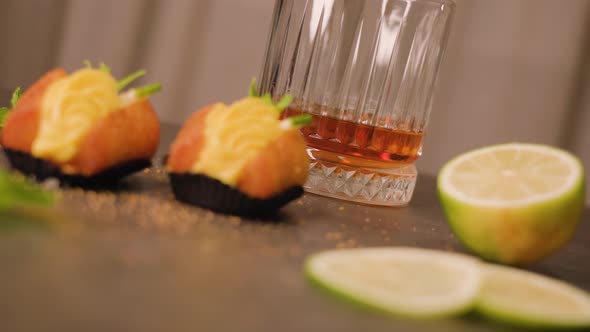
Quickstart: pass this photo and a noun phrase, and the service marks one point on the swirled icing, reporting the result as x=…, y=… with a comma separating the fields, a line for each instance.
x=69, y=108
x=234, y=135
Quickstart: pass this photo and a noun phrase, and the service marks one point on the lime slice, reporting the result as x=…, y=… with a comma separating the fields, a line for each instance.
x=408, y=282
x=513, y=203
x=532, y=300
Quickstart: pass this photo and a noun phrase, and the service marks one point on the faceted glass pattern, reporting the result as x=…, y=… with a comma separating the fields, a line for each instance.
x=372, y=63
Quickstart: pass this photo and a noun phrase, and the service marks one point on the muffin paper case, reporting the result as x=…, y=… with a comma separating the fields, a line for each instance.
x=206, y=192
x=42, y=169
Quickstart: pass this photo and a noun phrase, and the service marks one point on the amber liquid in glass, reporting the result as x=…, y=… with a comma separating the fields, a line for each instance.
x=359, y=145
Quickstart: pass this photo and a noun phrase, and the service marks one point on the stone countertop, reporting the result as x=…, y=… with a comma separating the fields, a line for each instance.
x=133, y=259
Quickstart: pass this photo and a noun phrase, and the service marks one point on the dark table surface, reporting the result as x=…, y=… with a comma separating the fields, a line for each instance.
x=133, y=259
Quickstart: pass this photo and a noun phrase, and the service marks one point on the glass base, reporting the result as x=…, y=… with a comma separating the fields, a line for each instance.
x=375, y=186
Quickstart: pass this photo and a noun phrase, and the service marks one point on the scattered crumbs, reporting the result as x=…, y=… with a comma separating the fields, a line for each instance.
x=450, y=249
x=351, y=243
x=50, y=184
x=235, y=221
x=333, y=236
x=147, y=212
x=367, y=219
x=341, y=208
x=413, y=229
x=266, y=250
x=146, y=171
x=295, y=251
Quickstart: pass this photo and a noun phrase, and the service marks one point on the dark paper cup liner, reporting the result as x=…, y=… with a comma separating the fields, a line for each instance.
x=206, y=192
x=43, y=169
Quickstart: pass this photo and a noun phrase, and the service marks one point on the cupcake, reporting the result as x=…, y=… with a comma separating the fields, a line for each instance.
x=81, y=128
x=241, y=158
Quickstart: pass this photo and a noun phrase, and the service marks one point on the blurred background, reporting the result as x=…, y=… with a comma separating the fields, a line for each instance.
x=515, y=70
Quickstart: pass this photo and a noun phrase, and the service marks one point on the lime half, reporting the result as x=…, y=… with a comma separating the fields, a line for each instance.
x=528, y=299
x=403, y=281
x=513, y=203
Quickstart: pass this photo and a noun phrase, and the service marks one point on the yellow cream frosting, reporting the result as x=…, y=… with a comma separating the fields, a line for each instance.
x=69, y=108
x=234, y=135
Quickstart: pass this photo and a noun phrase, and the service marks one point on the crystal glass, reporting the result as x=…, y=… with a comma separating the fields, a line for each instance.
x=366, y=72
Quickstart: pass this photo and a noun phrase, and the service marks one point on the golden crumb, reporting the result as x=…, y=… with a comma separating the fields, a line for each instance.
x=333, y=236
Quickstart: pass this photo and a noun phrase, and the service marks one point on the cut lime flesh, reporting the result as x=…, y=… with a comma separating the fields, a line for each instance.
x=513, y=203
x=531, y=300
x=408, y=282
x=510, y=175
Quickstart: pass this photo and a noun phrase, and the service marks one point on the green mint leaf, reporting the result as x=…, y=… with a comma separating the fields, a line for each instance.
x=15, y=96
x=301, y=120
x=104, y=68
x=5, y=110
x=3, y=114
x=88, y=64
x=148, y=90
x=17, y=190
x=267, y=98
x=122, y=84
x=253, y=92
x=284, y=102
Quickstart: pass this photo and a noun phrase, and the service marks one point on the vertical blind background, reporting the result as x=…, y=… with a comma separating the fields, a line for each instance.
x=515, y=70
